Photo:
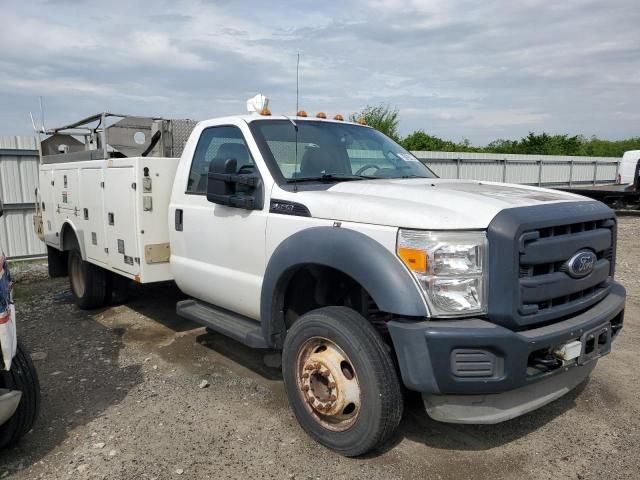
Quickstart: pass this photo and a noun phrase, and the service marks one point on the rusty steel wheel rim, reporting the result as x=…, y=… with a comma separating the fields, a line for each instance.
x=77, y=279
x=328, y=384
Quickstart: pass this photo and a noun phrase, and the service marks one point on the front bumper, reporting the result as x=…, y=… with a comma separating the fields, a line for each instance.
x=427, y=351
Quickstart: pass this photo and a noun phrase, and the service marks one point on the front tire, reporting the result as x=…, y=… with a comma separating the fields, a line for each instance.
x=22, y=377
x=341, y=380
x=87, y=282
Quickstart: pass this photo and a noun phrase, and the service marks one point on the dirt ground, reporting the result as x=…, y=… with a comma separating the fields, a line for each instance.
x=121, y=399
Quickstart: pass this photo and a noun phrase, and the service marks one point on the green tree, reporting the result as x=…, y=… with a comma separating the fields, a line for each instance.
x=381, y=117
x=422, y=141
x=385, y=119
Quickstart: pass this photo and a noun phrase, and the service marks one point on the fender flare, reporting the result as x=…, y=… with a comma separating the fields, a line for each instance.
x=64, y=239
x=365, y=260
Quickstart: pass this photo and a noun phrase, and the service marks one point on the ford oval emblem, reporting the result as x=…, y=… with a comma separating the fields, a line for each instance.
x=581, y=264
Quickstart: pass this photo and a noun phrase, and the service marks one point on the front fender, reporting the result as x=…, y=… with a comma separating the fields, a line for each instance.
x=376, y=269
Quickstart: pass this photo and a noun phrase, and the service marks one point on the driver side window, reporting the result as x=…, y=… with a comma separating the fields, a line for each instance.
x=218, y=144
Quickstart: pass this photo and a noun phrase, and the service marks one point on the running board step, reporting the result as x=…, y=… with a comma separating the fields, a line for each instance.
x=242, y=329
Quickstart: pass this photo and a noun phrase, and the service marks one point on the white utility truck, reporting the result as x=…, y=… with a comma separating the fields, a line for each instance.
x=328, y=241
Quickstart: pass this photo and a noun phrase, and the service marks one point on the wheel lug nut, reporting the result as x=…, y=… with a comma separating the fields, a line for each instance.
x=333, y=398
x=332, y=385
x=305, y=388
x=305, y=375
x=325, y=373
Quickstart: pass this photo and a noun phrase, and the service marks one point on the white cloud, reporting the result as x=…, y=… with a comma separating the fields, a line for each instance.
x=456, y=69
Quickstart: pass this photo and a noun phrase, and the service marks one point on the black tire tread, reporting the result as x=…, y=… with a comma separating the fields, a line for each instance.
x=23, y=377
x=95, y=284
x=118, y=289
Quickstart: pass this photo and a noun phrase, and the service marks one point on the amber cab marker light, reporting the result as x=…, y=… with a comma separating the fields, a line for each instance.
x=416, y=260
x=265, y=111
x=321, y=115
x=339, y=118
x=362, y=121
x=302, y=113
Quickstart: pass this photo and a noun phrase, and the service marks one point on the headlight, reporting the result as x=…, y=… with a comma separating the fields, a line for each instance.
x=451, y=268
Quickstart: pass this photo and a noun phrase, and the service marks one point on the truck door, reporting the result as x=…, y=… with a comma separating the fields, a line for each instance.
x=121, y=223
x=218, y=252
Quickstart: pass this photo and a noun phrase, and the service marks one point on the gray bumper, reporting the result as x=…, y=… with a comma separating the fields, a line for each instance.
x=427, y=350
x=9, y=401
x=499, y=407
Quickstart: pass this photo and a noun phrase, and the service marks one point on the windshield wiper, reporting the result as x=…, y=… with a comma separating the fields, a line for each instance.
x=328, y=177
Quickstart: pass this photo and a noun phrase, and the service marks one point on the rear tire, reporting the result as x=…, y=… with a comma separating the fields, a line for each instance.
x=22, y=377
x=87, y=282
x=118, y=290
x=351, y=409
x=57, y=262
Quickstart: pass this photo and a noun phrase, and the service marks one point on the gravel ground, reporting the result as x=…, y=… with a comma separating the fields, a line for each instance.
x=122, y=399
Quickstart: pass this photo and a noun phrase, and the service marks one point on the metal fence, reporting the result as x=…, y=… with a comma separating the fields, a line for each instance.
x=18, y=181
x=541, y=170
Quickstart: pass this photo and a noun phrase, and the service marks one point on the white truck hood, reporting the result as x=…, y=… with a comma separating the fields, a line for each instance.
x=422, y=203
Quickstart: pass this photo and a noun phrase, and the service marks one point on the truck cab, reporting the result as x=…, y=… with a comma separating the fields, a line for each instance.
x=326, y=240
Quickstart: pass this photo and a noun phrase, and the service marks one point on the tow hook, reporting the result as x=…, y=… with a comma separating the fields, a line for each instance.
x=546, y=359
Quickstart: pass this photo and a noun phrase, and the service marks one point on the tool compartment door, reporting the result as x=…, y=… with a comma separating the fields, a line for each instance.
x=65, y=190
x=121, y=222
x=93, y=213
x=49, y=206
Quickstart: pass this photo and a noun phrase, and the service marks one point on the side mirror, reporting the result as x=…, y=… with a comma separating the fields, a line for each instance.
x=1, y=207
x=218, y=183
x=222, y=186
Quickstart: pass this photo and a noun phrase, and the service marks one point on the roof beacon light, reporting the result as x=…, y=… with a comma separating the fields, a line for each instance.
x=321, y=115
x=339, y=118
x=258, y=104
x=302, y=113
x=362, y=121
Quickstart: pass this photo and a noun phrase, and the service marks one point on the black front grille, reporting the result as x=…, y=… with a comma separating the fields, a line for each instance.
x=529, y=247
x=546, y=289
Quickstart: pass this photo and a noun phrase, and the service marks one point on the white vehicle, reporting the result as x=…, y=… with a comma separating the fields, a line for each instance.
x=328, y=241
x=625, y=194
x=19, y=387
x=630, y=169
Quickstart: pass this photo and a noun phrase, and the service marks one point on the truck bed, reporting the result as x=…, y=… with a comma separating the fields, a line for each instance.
x=119, y=209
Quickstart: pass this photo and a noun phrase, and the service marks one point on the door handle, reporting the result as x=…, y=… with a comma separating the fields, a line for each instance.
x=179, y=224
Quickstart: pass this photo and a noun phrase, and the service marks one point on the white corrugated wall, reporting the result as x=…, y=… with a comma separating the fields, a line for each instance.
x=544, y=170
x=18, y=181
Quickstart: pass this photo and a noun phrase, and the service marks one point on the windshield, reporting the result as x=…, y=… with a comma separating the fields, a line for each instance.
x=334, y=151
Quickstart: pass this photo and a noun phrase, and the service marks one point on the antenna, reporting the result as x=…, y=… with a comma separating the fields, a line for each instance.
x=297, y=82
x=41, y=113
x=295, y=169
x=33, y=123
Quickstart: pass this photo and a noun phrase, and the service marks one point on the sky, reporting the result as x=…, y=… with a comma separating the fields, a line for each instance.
x=455, y=69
